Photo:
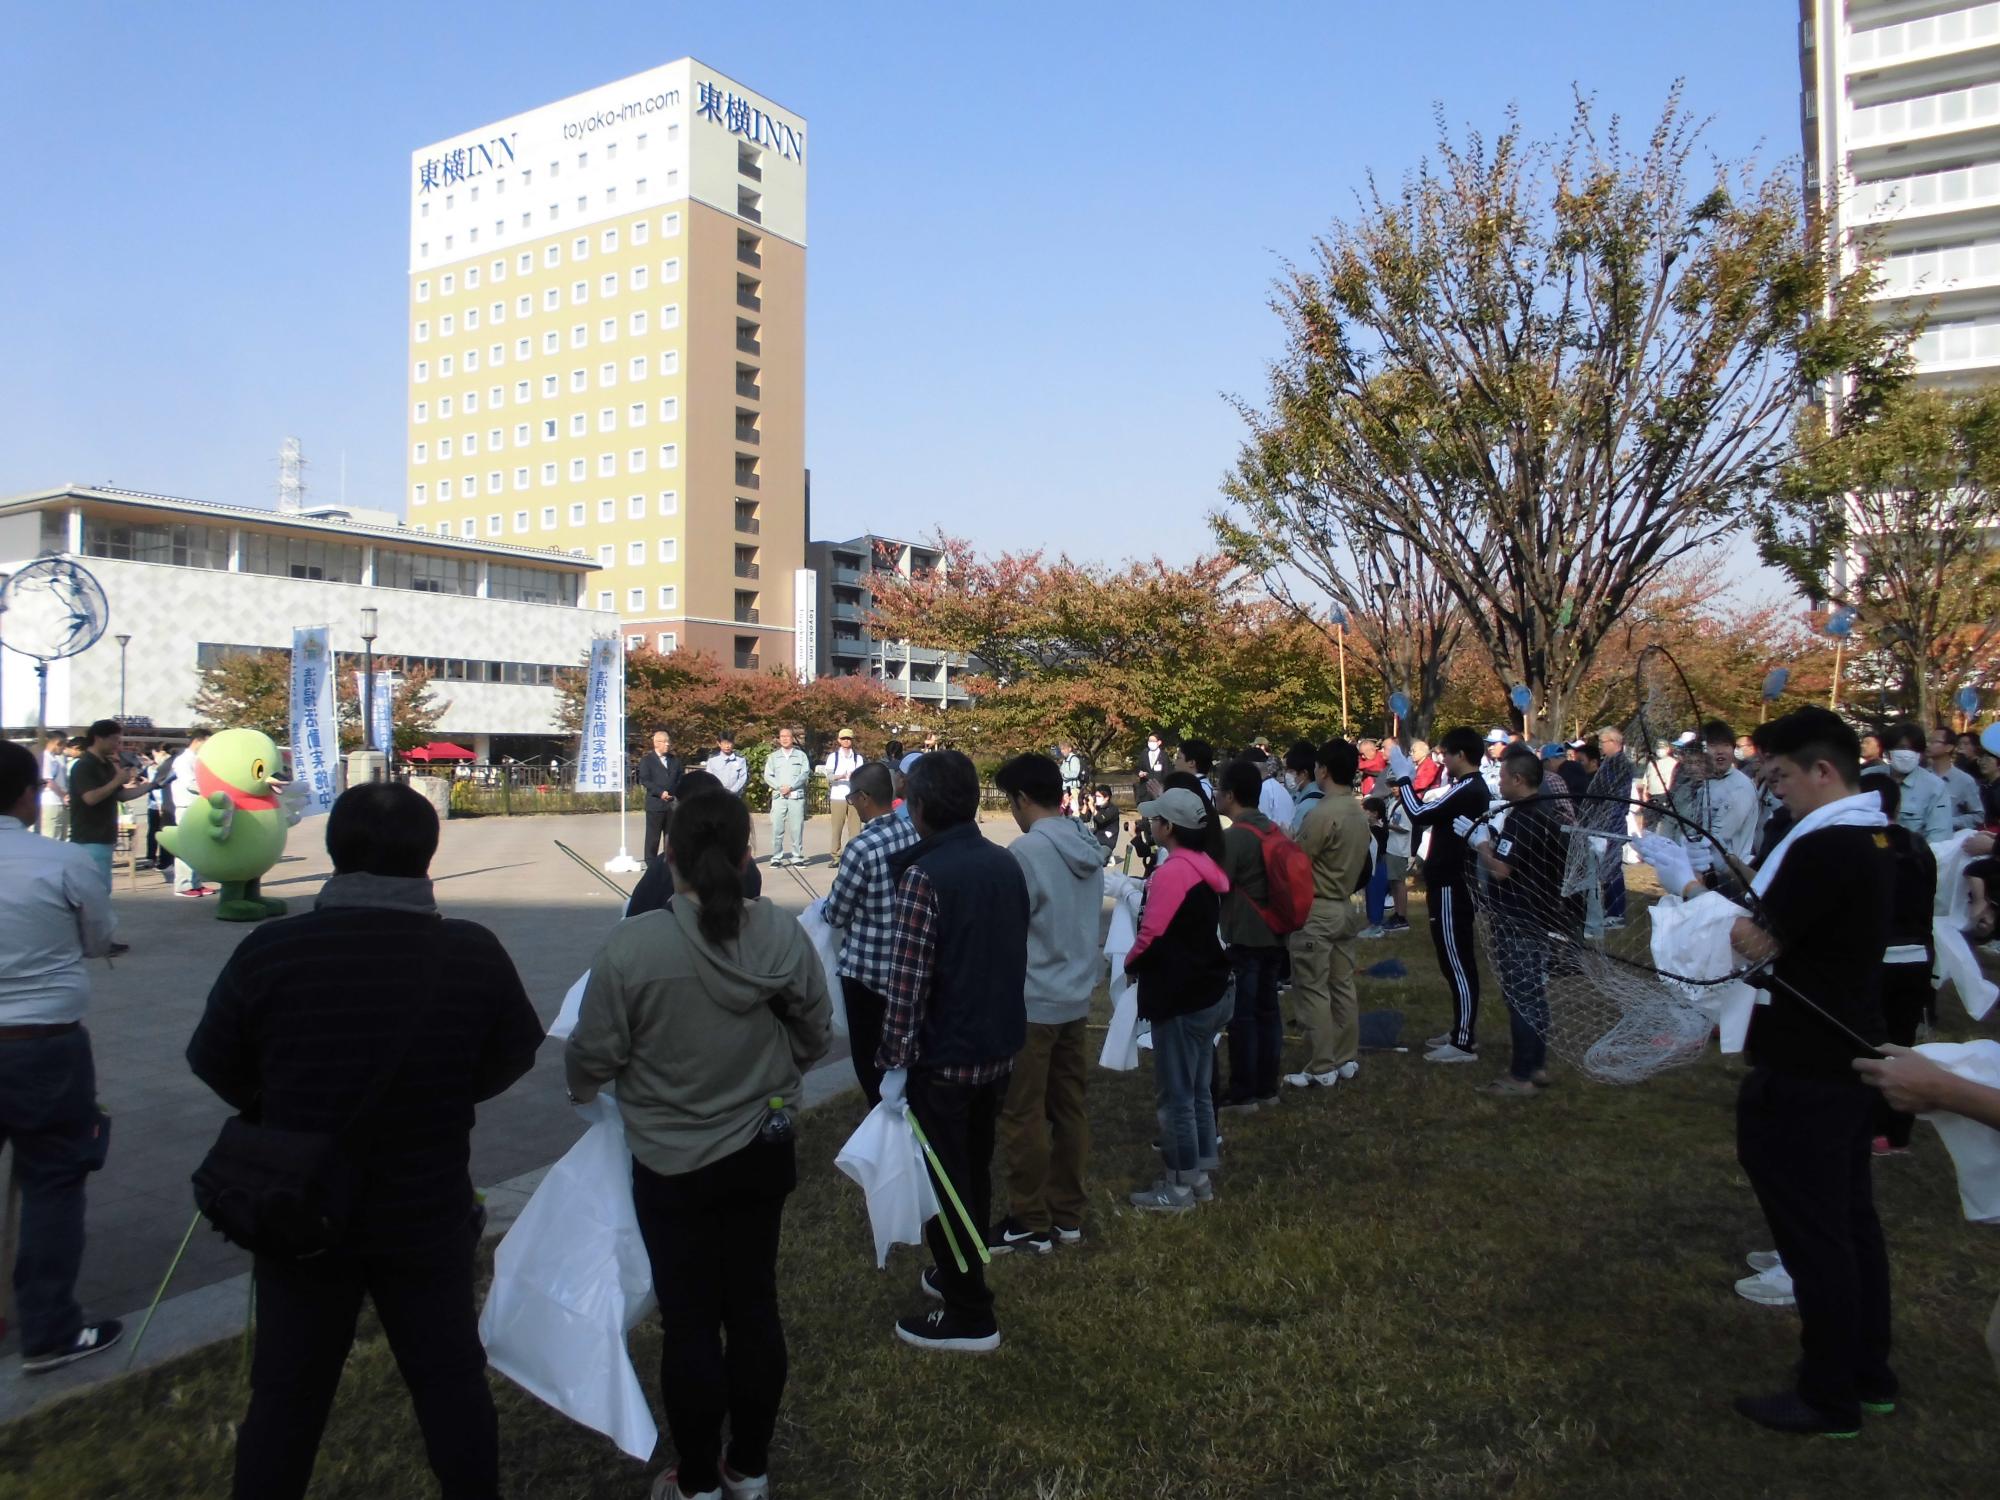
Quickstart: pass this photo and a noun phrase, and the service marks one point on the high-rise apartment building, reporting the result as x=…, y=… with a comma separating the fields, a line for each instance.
x=844, y=574
x=607, y=350
x=1901, y=118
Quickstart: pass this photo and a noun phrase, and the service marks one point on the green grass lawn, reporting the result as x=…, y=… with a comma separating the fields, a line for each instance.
x=1402, y=1289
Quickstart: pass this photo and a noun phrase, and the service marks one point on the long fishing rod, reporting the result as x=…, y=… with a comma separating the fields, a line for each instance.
x=616, y=889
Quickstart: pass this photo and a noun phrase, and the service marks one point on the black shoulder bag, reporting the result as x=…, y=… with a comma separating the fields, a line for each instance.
x=291, y=1193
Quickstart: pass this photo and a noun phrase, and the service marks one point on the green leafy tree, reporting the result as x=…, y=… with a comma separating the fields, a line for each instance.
x=1896, y=516
x=253, y=690
x=1553, y=370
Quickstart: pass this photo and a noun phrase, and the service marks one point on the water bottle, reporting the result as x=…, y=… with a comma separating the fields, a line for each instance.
x=777, y=1127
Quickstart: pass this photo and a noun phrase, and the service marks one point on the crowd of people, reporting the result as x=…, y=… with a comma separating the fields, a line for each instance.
x=967, y=970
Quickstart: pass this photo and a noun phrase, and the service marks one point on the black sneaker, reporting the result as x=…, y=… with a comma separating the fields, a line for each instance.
x=117, y=950
x=1788, y=1411
x=1012, y=1234
x=1068, y=1234
x=1395, y=924
x=941, y=1328
x=92, y=1338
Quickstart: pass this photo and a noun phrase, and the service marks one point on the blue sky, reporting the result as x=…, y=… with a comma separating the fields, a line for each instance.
x=1042, y=237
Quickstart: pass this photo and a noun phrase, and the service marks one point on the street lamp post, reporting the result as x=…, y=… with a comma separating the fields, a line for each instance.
x=123, y=642
x=368, y=621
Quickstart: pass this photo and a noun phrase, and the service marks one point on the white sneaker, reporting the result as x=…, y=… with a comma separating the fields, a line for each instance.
x=668, y=1487
x=745, y=1486
x=1349, y=1069
x=1772, y=1288
x=1762, y=1260
x=1450, y=1054
x=1324, y=1080
x=1442, y=1039
x=1373, y=932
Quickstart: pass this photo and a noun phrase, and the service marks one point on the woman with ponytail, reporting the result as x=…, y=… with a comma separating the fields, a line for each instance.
x=701, y=1019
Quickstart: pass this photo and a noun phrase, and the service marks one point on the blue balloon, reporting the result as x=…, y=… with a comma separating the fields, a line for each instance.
x=1399, y=705
x=1840, y=624
x=1336, y=614
x=1968, y=699
x=1521, y=698
x=1774, y=684
x=1990, y=737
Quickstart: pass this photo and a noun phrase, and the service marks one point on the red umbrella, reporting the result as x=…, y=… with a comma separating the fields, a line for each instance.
x=439, y=750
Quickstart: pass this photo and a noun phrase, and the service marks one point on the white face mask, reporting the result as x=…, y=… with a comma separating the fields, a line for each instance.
x=1905, y=761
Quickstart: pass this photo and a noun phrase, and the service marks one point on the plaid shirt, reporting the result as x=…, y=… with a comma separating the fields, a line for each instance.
x=862, y=901
x=912, y=959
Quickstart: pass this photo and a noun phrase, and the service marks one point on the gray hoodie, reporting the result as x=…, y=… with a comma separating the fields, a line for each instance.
x=1064, y=868
x=696, y=1038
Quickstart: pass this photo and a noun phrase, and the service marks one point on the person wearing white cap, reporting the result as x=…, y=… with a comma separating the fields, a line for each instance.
x=839, y=768
x=1489, y=768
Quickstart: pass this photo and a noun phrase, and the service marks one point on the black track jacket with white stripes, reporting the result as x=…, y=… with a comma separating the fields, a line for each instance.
x=1445, y=864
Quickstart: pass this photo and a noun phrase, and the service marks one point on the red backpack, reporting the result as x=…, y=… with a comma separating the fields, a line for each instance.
x=1288, y=880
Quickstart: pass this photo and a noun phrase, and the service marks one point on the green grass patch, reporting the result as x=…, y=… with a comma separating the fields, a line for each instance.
x=1403, y=1289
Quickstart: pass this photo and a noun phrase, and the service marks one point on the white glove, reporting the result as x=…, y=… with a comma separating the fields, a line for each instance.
x=1599, y=845
x=1461, y=826
x=1401, y=767
x=1701, y=856
x=1669, y=861
x=893, y=1083
x=294, y=797
x=1481, y=834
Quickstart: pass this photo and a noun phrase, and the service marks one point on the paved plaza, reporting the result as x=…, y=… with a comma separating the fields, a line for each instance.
x=506, y=873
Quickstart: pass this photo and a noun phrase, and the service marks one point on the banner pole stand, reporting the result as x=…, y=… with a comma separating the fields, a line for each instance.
x=622, y=863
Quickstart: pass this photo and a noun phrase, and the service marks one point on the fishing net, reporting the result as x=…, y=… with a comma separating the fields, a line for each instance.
x=1664, y=709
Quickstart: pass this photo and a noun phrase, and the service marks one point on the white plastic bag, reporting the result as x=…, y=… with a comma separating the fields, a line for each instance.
x=826, y=940
x=884, y=1157
x=1121, y=1039
x=572, y=1006
x=570, y=1280
x=1693, y=938
x=1974, y=1148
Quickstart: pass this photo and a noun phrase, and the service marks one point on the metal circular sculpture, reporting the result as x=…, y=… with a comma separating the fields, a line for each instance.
x=54, y=608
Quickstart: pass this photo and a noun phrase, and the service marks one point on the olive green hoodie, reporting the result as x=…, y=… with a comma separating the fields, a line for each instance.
x=696, y=1038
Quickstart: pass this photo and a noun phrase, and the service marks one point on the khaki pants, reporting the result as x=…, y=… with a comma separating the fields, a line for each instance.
x=1322, y=997
x=843, y=814
x=1044, y=1129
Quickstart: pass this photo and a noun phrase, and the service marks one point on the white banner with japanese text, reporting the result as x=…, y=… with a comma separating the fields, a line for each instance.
x=315, y=722
x=600, y=758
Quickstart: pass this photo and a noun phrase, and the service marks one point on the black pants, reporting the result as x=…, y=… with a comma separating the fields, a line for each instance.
x=712, y=1239
x=1906, y=995
x=865, y=1008
x=658, y=817
x=1458, y=958
x=306, y=1312
x=960, y=1118
x=1804, y=1145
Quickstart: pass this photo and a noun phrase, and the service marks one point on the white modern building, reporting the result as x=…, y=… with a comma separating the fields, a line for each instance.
x=192, y=582
x=1901, y=121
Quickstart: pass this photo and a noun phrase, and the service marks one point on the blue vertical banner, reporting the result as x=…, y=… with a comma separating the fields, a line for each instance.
x=315, y=724
x=385, y=712
x=600, y=758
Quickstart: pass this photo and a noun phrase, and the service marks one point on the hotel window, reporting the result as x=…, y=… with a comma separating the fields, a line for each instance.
x=493, y=485
x=635, y=599
x=583, y=203
x=472, y=272
x=500, y=266
x=552, y=255
x=639, y=323
x=581, y=249
x=497, y=313
x=670, y=362
x=641, y=278
x=608, y=240
x=576, y=513
x=669, y=643
x=608, y=285
x=607, y=373
x=549, y=430
x=607, y=419
x=423, y=331
x=635, y=414
x=579, y=335
x=635, y=554
x=670, y=455
x=579, y=380
x=424, y=250
x=670, y=316
x=548, y=385
x=423, y=411
x=468, y=526
x=670, y=502
x=548, y=473
x=576, y=469
x=607, y=510
x=606, y=555
x=444, y=447
x=551, y=298
x=670, y=549
x=548, y=518
x=607, y=464
x=635, y=461
x=643, y=230
x=493, y=524
x=445, y=329
x=583, y=158
x=471, y=319
x=579, y=293
x=301, y=557
x=449, y=284
x=471, y=482
x=610, y=196
x=670, y=270
x=526, y=263
x=421, y=454
x=670, y=408
x=521, y=479
x=520, y=521
x=607, y=330
x=604, y=599
x=444, y=365
x=524, y=305
x=423, y=369
x=551, y=342
x=496, y=354
x=670, y=596
x=579, y=424
x=444, y=406
x=637, y=368
x=471, y=441
x=471, y=361
x=419, y=496
x=639, y=187
x=635, y=507
x=423, y=291
x=670, y=226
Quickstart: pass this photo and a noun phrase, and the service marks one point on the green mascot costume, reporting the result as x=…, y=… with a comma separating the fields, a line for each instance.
x=234, y=829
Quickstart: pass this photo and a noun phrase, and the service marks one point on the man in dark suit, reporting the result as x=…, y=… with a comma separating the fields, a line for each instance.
x=1155, y=761
x=660, y=774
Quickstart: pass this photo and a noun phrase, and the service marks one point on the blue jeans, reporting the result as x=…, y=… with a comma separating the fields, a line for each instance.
x=1183, y=1070
x=1377, y=897
x=1256, y=1029
x=48, y=1113
x=1614, y=888
x=1522, y=957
